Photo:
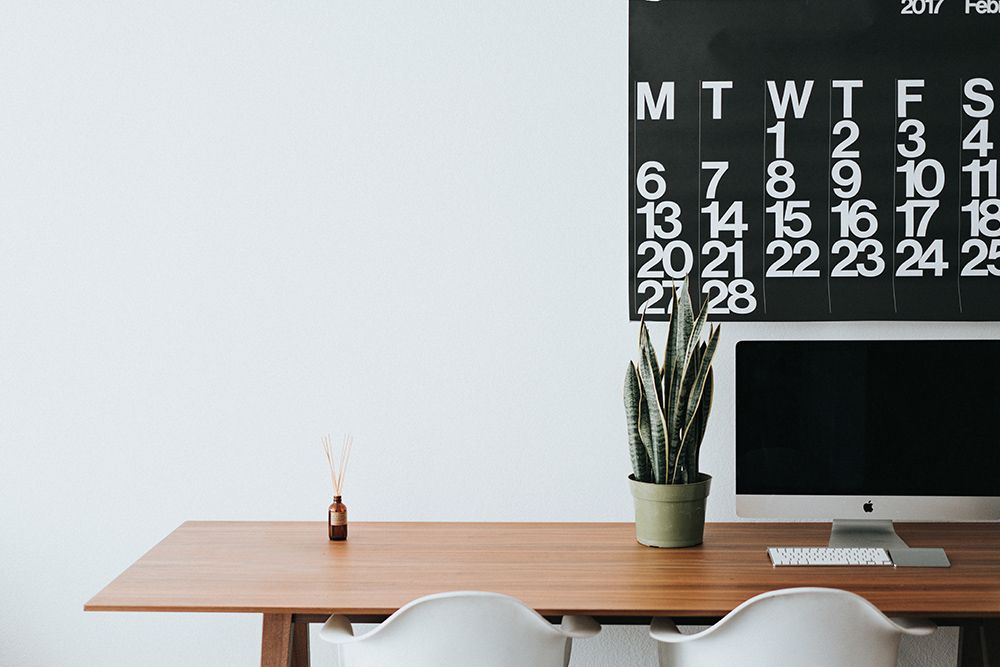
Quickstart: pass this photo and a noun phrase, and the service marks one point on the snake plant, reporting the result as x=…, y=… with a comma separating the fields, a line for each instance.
x=667, y=405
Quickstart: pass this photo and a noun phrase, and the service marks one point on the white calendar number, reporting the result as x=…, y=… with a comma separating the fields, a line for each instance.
x=913, y=226
x=733, y=297
x=916, y=177
x=979, y=171
x=667, y=225
x=731, y=221
x=920, y=6
x=722, y=251
x=846, y=174
x=851, y=128
x=778, y=130
x=871, y=264
x=665, y=256
x=780, y=183
x=808, y=250
x=984, y=217
x=978, y=138
x=656, y=289
x=914, y=131
x=981, y=253
x=651, y=175
x=720, y=169
x=857, y=218
x=789, y=219
x=918, y=259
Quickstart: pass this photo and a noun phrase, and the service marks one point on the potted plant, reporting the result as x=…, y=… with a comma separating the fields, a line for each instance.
x=667, y=407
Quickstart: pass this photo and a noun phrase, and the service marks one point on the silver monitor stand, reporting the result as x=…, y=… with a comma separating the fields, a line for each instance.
x=865, y=533
x=873, y=533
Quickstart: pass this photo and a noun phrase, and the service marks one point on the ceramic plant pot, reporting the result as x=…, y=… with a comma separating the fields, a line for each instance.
x=670, y=515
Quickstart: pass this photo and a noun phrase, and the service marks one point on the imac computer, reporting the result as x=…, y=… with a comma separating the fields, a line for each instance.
x=866, y=432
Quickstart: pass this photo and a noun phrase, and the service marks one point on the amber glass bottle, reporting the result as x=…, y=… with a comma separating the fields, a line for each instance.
x=337, y=516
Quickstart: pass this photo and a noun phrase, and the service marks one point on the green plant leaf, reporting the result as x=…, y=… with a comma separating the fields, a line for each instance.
x=694, y=341
x=679, y=332
x=696, y=434
x=680, y=394
x=641, y=465
x=704, y=367
x=646, y=348
x=696, y=392
x=694, y=446
x=644, y=434
x=675, y=356
x=685, y=437
x=647, y=377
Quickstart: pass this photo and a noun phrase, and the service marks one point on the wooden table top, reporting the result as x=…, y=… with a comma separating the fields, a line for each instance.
x=557, y=568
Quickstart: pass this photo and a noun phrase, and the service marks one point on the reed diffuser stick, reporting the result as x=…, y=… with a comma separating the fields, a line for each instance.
x=337, y=470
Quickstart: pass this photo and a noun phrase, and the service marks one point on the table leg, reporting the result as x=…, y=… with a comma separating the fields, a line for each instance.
x=300, y=644
x=276, y=641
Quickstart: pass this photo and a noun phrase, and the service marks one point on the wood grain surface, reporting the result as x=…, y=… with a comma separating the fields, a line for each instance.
x=557, y=568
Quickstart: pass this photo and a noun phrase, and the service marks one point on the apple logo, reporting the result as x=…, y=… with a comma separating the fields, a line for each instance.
x=868, y=507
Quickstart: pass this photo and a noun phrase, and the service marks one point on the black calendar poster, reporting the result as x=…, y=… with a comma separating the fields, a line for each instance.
x=815, y=159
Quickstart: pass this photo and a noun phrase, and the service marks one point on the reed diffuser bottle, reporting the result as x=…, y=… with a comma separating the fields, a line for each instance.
x=337, y=516
x=337, y=512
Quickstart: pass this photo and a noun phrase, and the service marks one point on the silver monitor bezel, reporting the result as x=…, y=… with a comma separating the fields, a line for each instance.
x=891, y=508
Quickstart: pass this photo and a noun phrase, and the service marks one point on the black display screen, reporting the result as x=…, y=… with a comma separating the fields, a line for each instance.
x=889, y=418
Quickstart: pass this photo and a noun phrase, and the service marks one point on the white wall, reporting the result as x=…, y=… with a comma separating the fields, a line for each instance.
x=229, y=227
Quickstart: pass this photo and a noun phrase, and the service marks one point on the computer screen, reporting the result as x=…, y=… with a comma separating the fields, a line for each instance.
x=905, y=429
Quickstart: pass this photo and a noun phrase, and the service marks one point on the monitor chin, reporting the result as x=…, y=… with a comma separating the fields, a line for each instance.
x=884, y=508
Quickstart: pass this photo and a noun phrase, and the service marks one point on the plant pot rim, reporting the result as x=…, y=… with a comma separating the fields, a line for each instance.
x=702, y=479
x=671, y=492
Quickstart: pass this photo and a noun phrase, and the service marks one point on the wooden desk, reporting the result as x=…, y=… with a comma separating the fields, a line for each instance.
x=290, y=573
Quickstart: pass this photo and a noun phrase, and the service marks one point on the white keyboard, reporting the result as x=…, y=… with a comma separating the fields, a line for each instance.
x=828, y=556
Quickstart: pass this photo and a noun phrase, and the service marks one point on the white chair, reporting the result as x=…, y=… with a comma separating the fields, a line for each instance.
x=460, y=629
x=814, y=627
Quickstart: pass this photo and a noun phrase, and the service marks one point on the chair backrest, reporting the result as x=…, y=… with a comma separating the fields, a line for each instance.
x=460, y=629
x=818, y=627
